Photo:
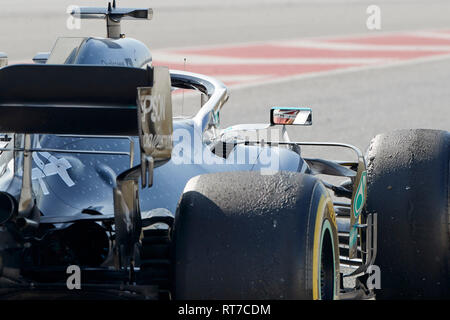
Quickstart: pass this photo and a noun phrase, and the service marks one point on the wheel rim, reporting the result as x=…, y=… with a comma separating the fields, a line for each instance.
x=327, y=264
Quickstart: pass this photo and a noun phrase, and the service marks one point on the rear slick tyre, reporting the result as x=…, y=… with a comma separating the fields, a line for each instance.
x=408, y=186
x=243, y=235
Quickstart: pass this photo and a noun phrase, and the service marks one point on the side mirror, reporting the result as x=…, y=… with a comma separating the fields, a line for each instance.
x=291, y=116
x=41, y=57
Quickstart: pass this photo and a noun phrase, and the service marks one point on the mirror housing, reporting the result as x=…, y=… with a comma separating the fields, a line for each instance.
x=290, y=116
x=41, y=57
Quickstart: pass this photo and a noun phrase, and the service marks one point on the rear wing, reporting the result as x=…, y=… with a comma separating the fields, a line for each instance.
x=91, y=100
x=71, y=99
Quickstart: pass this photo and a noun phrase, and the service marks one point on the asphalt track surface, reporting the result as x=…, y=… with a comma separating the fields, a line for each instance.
x=316, y=53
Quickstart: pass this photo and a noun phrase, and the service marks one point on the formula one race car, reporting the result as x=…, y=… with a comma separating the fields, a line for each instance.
x=197, y=212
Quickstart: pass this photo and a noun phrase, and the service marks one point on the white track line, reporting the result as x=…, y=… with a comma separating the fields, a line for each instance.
x=170, y=57
x=242, y=77
x=432, y=35
x=357, y=47
x=372, y=34
x=327, y=73
x=311, y=75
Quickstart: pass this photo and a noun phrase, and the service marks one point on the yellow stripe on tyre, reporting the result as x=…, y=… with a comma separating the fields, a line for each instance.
x=324, y=200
